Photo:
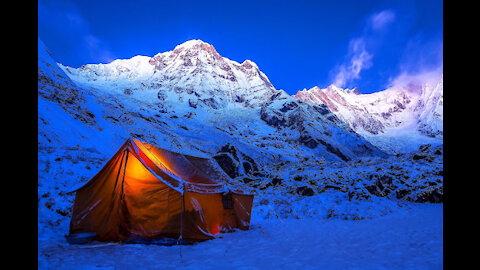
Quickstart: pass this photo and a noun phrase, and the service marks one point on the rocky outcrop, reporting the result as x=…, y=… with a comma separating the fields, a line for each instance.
x=228, y=164
x=234, y=163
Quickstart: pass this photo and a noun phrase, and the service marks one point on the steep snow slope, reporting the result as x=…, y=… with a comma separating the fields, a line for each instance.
x=398, y=119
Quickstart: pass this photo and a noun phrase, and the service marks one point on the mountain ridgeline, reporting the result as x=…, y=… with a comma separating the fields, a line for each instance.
x=190, y=100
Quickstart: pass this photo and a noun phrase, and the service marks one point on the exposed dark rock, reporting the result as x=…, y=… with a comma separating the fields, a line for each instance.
x=424, y=147
x=239, y=99
x=358, y=194
x=336, y=151
x=210, y=102
x=258, y=174
x=247, y=167
x=128, y=91
x=189, y=115
x=312, y=183
x=289, y=106
x=402, y=193
x=276, y=181
x=161, y=96
x=322, y=109
x=305, y=191
x=298, y=178
x=333, y=118
x=251, y=162
x=231, y=166
x=228, y=148
x=274, y=96
x=271, y=120
x=429, y=159
x=308, y=141
x=418, y=157
x=228, y=165
x=386, y=180
x=377, y=189
x=193, y=103
x=432, y=196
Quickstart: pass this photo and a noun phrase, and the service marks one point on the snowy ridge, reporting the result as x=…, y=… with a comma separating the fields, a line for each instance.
x=194, y=69
x=389, y=119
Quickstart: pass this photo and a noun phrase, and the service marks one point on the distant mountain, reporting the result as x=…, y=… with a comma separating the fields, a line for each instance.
x=194, y=101
x=398, y=119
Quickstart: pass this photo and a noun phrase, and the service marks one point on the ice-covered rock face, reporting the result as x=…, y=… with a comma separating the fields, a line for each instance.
x=412, y=110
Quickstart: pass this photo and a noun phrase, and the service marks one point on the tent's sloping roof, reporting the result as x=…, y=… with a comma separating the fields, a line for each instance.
x=157, y=169
x=182, y=172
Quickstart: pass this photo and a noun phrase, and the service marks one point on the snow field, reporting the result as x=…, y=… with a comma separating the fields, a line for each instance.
x=409, y=238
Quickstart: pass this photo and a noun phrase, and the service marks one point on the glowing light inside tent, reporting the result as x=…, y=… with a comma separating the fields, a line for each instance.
x=215, y=229
x=135, y=169
x=157, y=159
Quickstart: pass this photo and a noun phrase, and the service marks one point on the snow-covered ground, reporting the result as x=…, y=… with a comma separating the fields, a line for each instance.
x=411, y=237
x=312, y=209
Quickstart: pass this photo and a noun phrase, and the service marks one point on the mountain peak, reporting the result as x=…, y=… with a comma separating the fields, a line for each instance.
x=195, y=44
x=192, y=42
x=354, y=91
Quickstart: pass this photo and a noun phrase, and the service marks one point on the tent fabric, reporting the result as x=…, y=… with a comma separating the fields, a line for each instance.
x=195, y=173
x=145, y=192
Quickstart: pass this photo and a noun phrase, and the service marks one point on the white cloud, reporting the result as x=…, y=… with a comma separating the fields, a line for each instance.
x=359, y=59
x=381, y=19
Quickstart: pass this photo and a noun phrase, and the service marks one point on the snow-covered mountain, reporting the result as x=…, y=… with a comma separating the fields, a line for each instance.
x=193, y=91
x=398, y=119
x=193, y=70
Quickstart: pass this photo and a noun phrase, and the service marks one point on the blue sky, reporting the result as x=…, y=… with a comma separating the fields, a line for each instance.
x=297, y=44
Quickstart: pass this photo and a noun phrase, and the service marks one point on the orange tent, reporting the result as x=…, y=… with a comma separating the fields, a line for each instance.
x=145, y=192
